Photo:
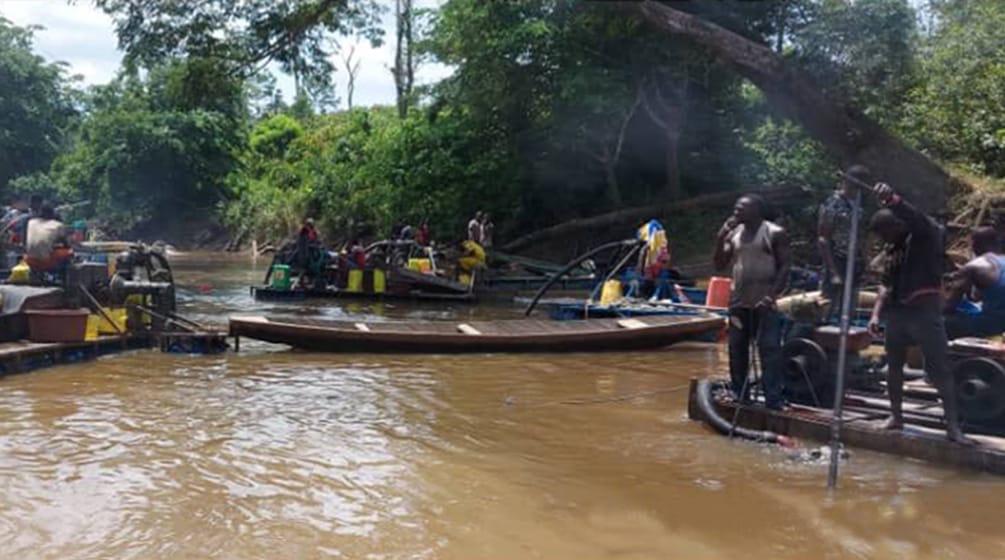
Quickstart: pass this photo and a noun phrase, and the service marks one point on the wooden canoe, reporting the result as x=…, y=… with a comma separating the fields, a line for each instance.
x=514, y=335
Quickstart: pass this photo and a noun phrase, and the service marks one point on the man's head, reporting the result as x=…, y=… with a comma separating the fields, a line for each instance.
x=888, y=226
x=36, y=202
x=860, y=174
x=749, y=209
x=47, y=212
x=985, y=240
x=309, y=222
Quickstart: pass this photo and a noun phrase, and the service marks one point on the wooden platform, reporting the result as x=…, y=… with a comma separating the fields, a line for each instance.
x=23, y=356
x=923, y=437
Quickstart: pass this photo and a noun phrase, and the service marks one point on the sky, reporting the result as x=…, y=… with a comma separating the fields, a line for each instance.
x=84, y=37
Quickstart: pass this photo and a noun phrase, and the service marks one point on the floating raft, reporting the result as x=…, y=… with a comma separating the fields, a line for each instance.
x=515, y=335
x=922, y=438
x=24, y=356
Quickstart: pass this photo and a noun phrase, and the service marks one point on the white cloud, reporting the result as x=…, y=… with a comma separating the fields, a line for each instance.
x=77, y=34
x=84, y=37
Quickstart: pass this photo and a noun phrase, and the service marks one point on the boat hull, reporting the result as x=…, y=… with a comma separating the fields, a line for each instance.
x=476, y=337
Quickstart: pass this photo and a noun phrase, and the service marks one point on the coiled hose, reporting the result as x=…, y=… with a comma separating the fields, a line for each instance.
x=706, y=405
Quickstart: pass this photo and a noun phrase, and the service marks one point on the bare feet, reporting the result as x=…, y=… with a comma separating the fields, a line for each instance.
x=893, y=423
x=956, y=436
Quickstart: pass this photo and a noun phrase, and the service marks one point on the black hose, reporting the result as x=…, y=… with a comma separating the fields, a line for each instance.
x=573, y=264
x=704, y=401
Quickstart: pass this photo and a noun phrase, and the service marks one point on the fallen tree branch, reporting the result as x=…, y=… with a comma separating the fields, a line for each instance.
x=639, y=214
x=844, y=131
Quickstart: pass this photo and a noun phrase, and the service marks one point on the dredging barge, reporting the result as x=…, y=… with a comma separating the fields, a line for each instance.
x=979, y=372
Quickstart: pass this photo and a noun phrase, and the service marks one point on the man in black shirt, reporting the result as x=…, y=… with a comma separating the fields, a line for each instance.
x=911, y=301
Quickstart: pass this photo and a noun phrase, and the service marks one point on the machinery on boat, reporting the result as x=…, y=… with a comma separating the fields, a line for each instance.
x=133, y=298
x=977, y=366
x=384, y=269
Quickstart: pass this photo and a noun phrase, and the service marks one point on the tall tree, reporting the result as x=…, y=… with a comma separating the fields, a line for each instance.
x=404, y=60
x=958, y=112
x=248, y=34
x=351, y=65
x=157, y=146
x=35, y=105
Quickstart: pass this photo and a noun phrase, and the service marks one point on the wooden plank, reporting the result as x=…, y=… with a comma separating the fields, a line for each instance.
x=631, y=324
x=468, y=329
x=918, y=442
x=361, y=327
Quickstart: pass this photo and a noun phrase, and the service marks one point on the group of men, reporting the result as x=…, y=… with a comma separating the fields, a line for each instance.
x=911, y=301
x=402, y=231
x=481, y=229
x=37, y=229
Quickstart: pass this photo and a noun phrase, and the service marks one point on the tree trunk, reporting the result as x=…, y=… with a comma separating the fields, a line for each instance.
x=404, y=63
x=775, y=195
x=611, y=180
x=844, y=131
x=664, y=99
x=673, y=187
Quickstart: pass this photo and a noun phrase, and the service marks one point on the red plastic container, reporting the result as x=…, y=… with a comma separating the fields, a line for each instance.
x=57, y=325
x=719, y=289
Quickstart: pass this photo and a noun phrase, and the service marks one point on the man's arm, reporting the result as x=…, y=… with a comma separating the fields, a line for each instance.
x=918, y=222
x=877, y=310
x=723, y=247
x=961, y=283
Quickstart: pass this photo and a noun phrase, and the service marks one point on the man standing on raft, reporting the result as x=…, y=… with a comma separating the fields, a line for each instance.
x=758, y=251
x=910, y=299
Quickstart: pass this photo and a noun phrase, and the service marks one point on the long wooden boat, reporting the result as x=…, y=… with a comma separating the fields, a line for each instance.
x=518, y=335
x=267, y=293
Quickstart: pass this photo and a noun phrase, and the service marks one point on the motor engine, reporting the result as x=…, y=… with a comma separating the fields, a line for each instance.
x=810, y=365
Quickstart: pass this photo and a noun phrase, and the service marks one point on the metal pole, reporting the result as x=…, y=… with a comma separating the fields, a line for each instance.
x=849, y=274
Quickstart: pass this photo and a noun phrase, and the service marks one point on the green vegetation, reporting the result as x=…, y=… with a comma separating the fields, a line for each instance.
x=555, y=110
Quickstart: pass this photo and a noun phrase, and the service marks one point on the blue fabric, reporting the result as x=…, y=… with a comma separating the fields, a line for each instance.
x=993, y=298
x=967, y=307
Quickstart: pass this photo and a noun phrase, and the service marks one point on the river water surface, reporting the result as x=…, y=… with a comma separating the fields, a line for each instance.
x=272, y=453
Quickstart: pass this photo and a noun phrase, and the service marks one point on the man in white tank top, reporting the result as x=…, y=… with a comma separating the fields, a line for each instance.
x=758, y=251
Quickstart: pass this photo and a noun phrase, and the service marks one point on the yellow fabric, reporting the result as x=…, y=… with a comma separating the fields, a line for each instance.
x=657, y=254
x=20, y=274
x=610, y=293
x=474, y=256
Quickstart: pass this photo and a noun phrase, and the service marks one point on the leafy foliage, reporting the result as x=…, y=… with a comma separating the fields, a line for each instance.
x=556, y=109
x=156, y=148
x=958, y=112
x=36, y=105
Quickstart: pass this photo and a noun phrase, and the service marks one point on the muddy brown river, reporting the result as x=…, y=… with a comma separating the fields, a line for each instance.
x=273, y=453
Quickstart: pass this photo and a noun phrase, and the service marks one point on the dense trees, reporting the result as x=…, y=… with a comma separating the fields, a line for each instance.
x=555, y=109
x=36, y=106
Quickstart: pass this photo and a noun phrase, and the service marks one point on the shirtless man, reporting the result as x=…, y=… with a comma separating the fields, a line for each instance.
x=984, y=277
